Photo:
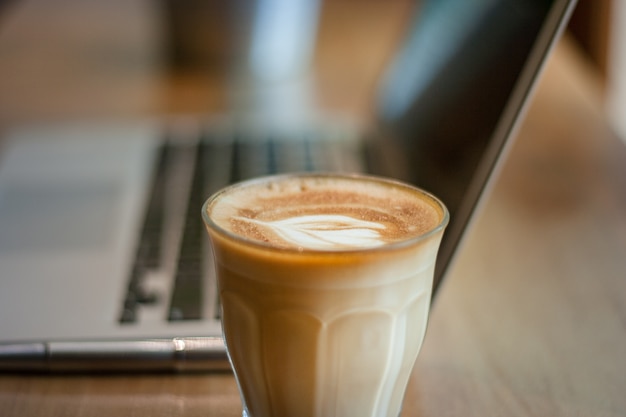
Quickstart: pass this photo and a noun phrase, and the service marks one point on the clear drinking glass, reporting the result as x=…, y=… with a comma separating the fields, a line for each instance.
x=329, y=325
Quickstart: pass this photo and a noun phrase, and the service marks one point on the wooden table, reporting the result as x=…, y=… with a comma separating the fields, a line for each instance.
x=531, y=321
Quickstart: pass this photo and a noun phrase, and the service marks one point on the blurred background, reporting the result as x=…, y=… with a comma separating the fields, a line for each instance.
x=105, y=59
x=90, y=59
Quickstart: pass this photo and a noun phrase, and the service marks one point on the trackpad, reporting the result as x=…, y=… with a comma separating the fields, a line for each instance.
x=60, y=217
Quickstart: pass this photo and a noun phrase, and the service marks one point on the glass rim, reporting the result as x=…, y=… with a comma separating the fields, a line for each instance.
x=208, y=221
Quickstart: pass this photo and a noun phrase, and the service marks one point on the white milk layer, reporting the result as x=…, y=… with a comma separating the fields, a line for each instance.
x=313, y=351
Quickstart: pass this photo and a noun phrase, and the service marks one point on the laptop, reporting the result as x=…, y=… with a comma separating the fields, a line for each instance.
x=104, y=262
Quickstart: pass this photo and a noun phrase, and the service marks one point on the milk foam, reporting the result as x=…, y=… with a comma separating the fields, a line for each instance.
x=324, y=213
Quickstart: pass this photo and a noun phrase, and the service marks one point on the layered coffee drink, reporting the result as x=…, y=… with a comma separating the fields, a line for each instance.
x=325, y=284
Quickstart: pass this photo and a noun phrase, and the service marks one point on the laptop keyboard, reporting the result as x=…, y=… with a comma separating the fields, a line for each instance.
x=173, y=242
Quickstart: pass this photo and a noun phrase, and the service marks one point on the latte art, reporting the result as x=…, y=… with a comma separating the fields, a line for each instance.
x=325, y=231
x=324, y=213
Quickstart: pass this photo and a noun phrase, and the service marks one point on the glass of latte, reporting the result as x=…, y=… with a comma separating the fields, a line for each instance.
x=325, y=283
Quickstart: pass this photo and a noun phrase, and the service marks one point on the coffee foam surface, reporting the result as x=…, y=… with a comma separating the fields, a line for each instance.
x=324, y=213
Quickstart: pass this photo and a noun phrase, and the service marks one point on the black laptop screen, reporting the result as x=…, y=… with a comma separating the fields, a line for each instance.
x=445, y=96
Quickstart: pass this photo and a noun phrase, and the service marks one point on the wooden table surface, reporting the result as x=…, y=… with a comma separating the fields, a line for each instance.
x=530, y=322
